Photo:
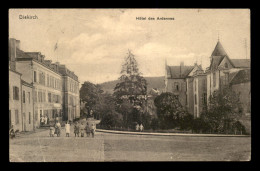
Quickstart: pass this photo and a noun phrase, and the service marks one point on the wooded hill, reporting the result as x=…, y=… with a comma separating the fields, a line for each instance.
x=153, y=82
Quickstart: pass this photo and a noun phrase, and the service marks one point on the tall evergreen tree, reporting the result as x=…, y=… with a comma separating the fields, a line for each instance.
x=132, y=85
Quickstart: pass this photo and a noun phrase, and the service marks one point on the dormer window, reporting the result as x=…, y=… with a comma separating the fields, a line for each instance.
x=226, y=65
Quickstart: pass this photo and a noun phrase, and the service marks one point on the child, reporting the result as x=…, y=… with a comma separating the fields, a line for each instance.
x=82, y=129
x=67, y=129
x=51, y=131
x=76, y=129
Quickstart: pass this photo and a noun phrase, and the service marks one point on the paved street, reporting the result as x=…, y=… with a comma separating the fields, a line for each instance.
x=39, y=147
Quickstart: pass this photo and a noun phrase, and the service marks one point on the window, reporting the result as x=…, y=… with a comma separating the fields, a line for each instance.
x=42, y=78
x=226, y=65
x=176, y=86
x=29, y=96
x=29, y=117
x=16, y=117
x=204, y=98
x=35, y=96
x=48, y=79
x=214, y=79
x=35, y=76
x=195, y=99
x=226, y=78
x=39, y=96
x=36, y=115
x=49, y=97
x=23, y=96
x=195, y=85
x=15, y=93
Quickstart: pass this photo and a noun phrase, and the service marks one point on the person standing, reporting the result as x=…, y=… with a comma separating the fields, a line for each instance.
x=137, y=127
x=41, y=120
x=93, y=129
x=67, y=129
x=58, y=128
x=45, y=120
x=12, y=132
x=76, y=129
x=141, y=127
x=82, y=129
x=48, y=120
x=88, y=130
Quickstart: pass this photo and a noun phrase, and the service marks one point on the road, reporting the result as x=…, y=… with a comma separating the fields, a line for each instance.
x=39, y=147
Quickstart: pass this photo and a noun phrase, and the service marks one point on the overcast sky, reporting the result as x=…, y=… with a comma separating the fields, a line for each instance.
x=94, y=42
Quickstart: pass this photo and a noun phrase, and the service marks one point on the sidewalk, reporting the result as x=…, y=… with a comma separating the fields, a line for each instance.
x=169, y=134
x=32, y=132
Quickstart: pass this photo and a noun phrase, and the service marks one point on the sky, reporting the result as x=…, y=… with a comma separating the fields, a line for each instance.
x=94, y=42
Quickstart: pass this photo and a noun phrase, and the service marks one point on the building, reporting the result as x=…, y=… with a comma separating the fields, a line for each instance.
x=15, y=96
x=50, y=85
x=222, y=69
x=188, y=84
x=71, y=104
x=27, y=106
x=20, y=95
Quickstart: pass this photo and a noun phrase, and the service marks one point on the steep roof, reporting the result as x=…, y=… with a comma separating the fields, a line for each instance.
x=219, y=50
x=241, y=63
x=21, y=54
x=216, y=60
x=179, y=71
x=241, y=76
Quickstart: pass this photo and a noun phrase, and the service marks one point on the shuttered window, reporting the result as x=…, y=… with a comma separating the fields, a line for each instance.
x=15, y=93
x=23, y=96
x=16, y=117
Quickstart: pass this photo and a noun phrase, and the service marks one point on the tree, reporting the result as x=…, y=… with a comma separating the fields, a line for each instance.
x=223, y=110
x=169, y=110
x=132, y=85
x=90, y=94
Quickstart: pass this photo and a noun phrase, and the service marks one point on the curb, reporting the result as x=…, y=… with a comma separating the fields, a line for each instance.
x=169, y=134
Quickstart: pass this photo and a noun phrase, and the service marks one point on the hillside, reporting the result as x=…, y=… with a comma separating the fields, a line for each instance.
x=153, y=82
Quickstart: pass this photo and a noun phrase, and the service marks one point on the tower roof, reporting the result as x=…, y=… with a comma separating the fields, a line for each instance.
x=219, y=50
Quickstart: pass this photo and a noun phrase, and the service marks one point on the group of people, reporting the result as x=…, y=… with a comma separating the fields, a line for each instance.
x=82, y=128
x=139, y=127
x=79, y=129
x=44, y=120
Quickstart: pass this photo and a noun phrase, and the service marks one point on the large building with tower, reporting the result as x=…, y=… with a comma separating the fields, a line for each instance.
x=193, y=86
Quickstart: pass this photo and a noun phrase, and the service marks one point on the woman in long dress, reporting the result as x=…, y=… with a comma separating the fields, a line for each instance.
x=67, y=129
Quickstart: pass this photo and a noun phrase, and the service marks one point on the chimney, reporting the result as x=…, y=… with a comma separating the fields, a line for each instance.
x=12, y=53
x=18, y=44
x=181, y=66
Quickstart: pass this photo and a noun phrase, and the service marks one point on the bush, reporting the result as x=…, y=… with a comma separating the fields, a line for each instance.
x=238, y=127
x=155, y=123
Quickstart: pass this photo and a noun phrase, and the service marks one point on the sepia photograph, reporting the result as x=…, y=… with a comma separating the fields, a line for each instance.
x=129, y=85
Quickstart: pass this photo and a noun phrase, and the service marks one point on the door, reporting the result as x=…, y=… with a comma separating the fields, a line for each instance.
x=24, y=122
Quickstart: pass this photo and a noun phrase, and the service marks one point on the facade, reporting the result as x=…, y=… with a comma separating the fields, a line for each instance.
x=188, y=84
x=20, y=94
x=71, y=100
x=233, y=73
x=223, y=69
x=15, y=97
x=193, y=86
x=27, y=106
x=49, y=92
